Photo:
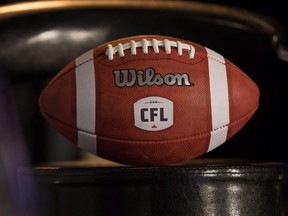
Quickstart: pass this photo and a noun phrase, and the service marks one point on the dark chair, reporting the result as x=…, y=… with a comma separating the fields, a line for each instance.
x=248, y=175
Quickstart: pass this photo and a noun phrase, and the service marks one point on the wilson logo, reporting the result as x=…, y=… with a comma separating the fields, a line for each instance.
x=153, y=113
x=131, y=77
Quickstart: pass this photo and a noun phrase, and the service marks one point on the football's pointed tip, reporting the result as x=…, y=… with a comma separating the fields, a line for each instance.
x=57, y=100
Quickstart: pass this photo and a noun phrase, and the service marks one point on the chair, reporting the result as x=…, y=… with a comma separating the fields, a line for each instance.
x=247, y=175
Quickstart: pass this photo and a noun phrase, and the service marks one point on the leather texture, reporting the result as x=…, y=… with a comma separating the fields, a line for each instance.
x=201, y=189
x=194, y=113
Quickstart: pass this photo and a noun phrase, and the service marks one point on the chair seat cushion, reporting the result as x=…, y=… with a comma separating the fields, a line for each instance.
x=202, y=187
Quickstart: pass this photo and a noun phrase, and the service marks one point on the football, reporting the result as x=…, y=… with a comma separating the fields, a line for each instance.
x=149, y=100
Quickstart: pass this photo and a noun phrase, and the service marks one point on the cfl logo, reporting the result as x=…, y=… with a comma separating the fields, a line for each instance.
x=153, y=113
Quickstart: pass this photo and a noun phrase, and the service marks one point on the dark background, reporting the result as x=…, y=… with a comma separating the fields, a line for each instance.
x=275, y=9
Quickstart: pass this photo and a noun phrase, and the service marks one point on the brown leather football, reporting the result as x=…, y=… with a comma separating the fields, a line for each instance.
x=149, y=100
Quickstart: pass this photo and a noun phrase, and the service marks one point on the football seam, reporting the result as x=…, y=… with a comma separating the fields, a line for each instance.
x=215, y=59
x=239, y=71
x=231, y=124
x=83, y=62
x=202, y=59
x=68, y=70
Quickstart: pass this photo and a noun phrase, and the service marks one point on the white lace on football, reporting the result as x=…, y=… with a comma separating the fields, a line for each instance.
x=145, y=44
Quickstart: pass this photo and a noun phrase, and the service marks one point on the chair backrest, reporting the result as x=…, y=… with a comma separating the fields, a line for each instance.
x=38, y=38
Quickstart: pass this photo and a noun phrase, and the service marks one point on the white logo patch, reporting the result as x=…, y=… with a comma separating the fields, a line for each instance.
x=153, y=113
